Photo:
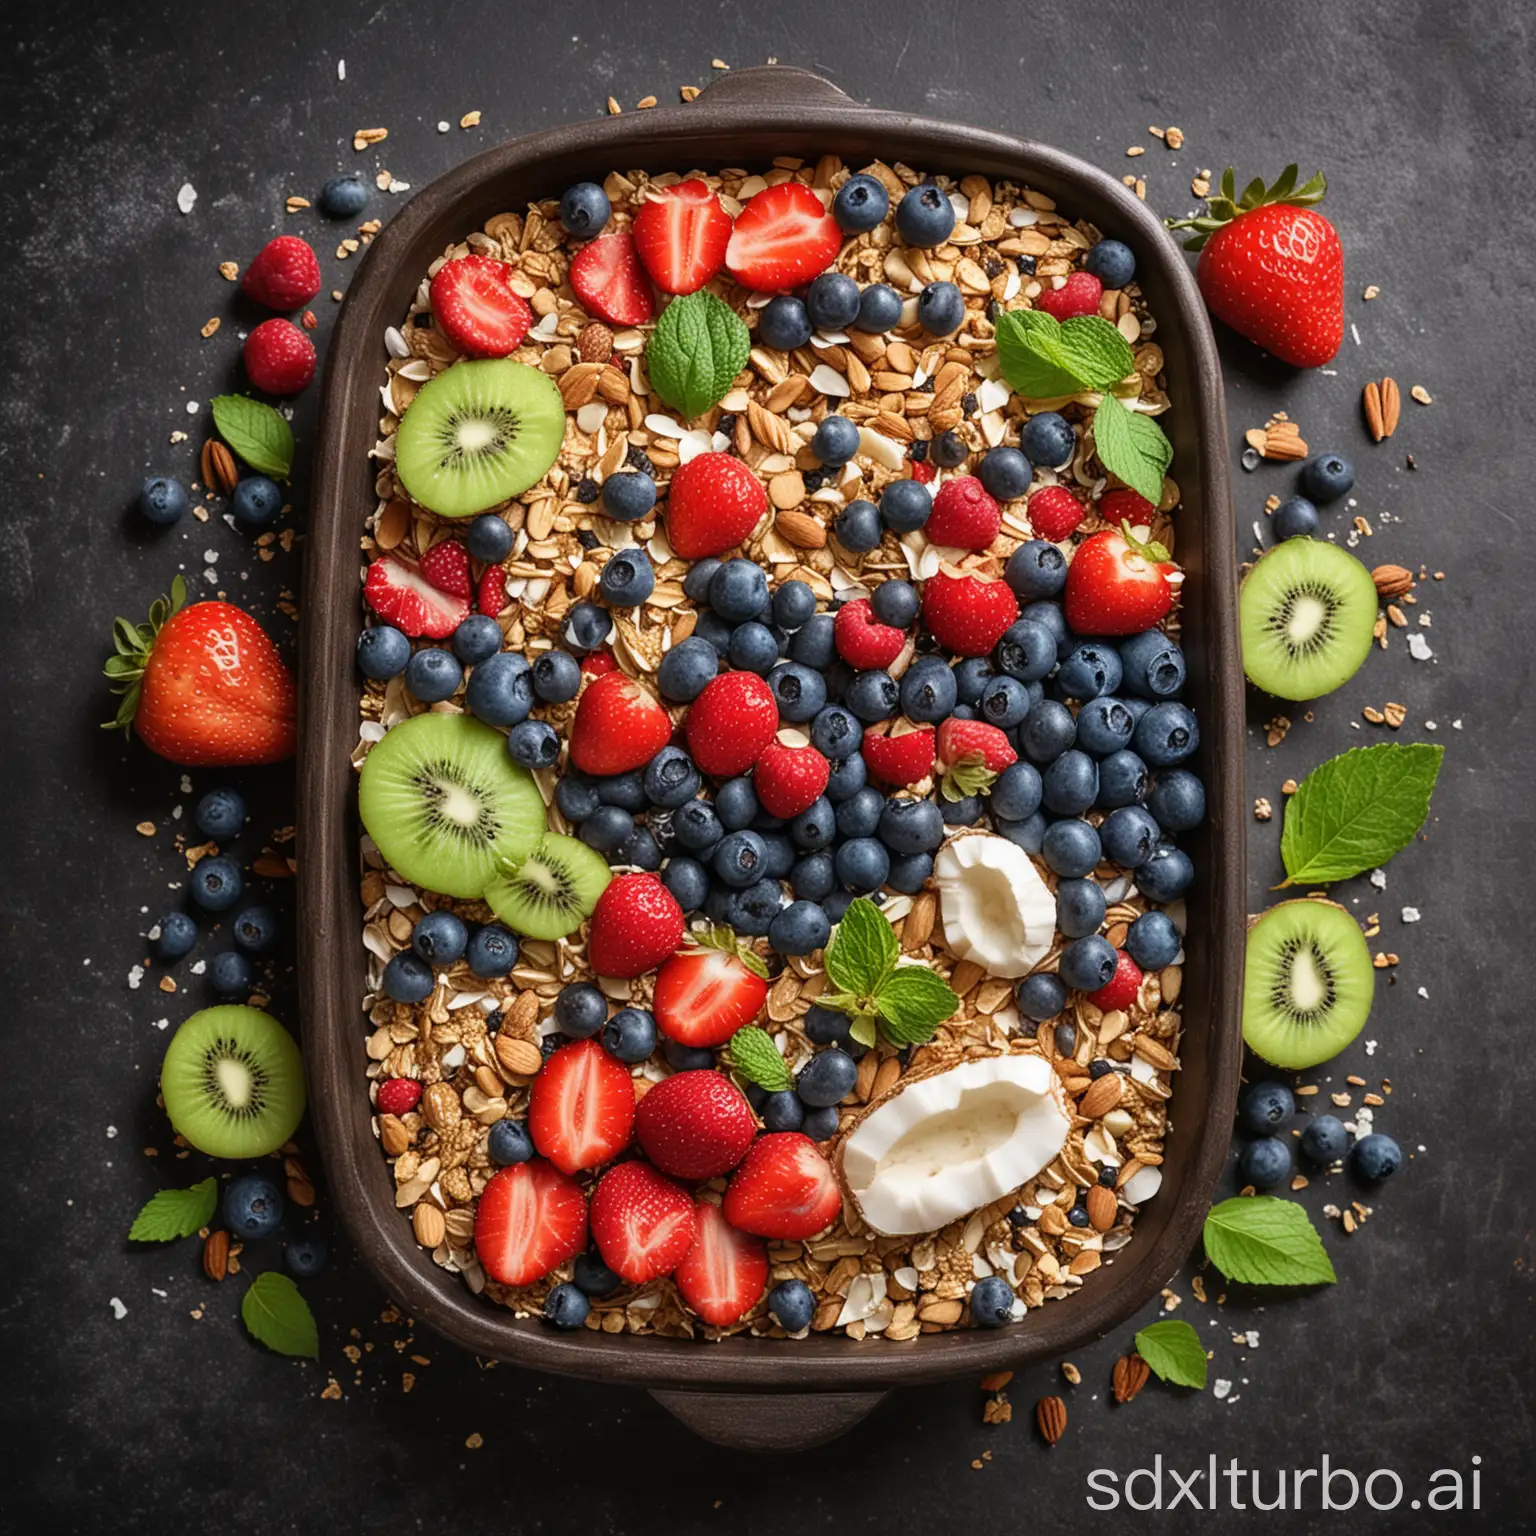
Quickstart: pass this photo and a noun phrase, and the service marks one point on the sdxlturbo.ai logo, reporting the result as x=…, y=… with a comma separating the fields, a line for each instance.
x=1236, y=1487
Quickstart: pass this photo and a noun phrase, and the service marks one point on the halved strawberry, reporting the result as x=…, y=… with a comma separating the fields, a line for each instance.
x=398, y=592
x=723, y=1274
x=680, y=235
x=531, y=1218
x=783, y=238
x=607, y=279
x=446, y=566
x=581, y=1108
x=897, y=761
x=862, y=640
x=619, y=725
x=491, y=594
x=476, y=308
x=703, y=996
x=642, y=1223
x=695, y=1125
x=784, y=1188
x=789, y=779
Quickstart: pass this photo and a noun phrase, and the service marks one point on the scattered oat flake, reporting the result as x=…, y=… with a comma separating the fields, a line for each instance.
x=644, y=103
x=718, y=64
x=145, y=829
x=229, y=270
x=186, y=196
x=1174, y=138
x=366, y=136
x=1421, y=394
x=1418, y=646
x=613, y=107
x=1262, y=809
x=1136, y=149
x=296, y=204
x=470, y=119
x=1371, y=290
x=1222, y=1388
x=474, y=1442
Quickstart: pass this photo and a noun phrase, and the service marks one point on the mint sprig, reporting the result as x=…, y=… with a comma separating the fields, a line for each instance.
x=723, y=938
x=1357, y=810
x=698, y=347
x=1173, y=1352
x=1043, y=358
x=756, y=1058
x=257, y=432
x=175, y=1213
x=275, y=1313
x=1259, y=1240
x=1131, y=445
x=908, y=1002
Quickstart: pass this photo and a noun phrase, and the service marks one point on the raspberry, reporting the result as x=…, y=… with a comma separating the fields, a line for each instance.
x=964, y=515
x=285, y=274
x=279, y=358
x=1079, y=295
x=1054, y=512
x=398, y=1095
x=1121, y=989
x=862, y=640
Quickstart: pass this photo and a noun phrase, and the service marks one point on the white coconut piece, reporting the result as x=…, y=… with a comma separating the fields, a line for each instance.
x=1141, y=1185
x=998, y=912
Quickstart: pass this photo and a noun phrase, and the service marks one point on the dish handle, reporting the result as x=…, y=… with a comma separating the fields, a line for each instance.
x=770, y=1422
x=773, y=85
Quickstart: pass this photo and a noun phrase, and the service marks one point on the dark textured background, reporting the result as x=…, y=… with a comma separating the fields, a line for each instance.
x=1419, y=1358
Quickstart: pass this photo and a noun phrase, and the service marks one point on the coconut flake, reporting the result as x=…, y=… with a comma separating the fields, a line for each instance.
x=825, y=379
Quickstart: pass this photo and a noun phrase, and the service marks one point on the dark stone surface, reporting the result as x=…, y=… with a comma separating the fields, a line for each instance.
x=1419, y=1359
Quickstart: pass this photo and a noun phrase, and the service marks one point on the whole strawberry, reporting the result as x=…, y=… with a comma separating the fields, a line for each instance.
x=695, y=1125
x=731, y=723
x=1272, y=267
x=636, y=924
x=966, y=613
x=897, y=761
x=204, y=685
x=1116, y=585
x=619, y=725
x=713, y=502
x=788, y=779
x=284, y=276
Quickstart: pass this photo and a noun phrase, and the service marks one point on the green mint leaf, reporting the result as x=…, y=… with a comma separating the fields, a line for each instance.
x=1043, y=359
x=863, y=950
x=276, y=1314
x=1131, y=445
x=1356, y=810
x=1096, y=351
x=256, y=432
x=175, y=1213
x=1173, y=1352
x=1259, y=1240
x=913, y=1001
x=862, y=1029
x=698, y=347
x=724, y=939
x=756, y=1058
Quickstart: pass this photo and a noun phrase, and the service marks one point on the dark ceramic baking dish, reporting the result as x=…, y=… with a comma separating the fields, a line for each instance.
x=757, y=1393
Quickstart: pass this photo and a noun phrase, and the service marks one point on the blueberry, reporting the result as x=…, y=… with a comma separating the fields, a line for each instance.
x=1070, y=784
x=1048, y=730
x=639, y=849
x=252, y=1206
x=1017, y=792
x=304, y=1257
x=220, y=814
x=670, y=779
x=793, y=604
x=489, y=538
x=625, y=790
x=688, y=881
x=1048, y=440
x=738, y=591
x=162, y=501
x=859, y=814
x=909, y=826
x=738, y=858
x=628, y=579
x=1123, y=780
x=630, y=1035
x=1004, y=702
x=1088, y=963
x=905, y=505
x=566, y=1307
x=1028, y=834
x=230, y=974
x=1036, y=570
x=752, y=911
x=1265, y=1162
x=1049, y=616
x=799, y=692
x=1166, y=875
x=408, y=979
x=910, y=872
x=792, y=1305
x=963, y=812
x=835, y=733
x=1026, y=652
x=827, y=1077
x=1040, y=997
x=584, y=210
x=895, y=603
x=1152, y=941
x=509, y=1142
x=927, y=691
x=1324, y=1140
x=576, y=796
x=736, y=803
x=1080, y=907
x=941, y=309
x=1327, y=476
x=815, y=826
x=607, y=829
x=925, y=216
x=832, y=302
x=255, y=930
x=753, y=648
x=820, y=1124
x=1005, y=473
x=1177, y=800
x=1130, y=836
x=781, y=855
x=433, y=675
x=1166, y=734
x=1295, y=518
x=879, y=309
x=255, y=502
x=343, y=197
x=836, y=904
x=491, y=952
x=971, y=676
x=534, y=744
x=847, y=776
x=784, y=324
x=382, y=652
x=861, y=203
x=477, y=639
x=556, y=676
x=686, y=669
x=1266, y=1107
x=992, y=1302
x=586, y=626
x=175, y=934
x=799, y=929
x=629, y=495
x=857, y=527
x=1153, y=665
x=499, y=691
x=873, y=696
x=1071, y=847
x=696, y=826
x=782, y=1111
x=1376, y=1157
x=813, y=877
x=216, y=884
x=1111, y=262
x=862, y=865
x=1104, y=725
x=700, y=574
x=1090, y=670
x=949, y=450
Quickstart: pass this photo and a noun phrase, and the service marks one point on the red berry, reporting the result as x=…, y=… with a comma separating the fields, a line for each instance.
x=619, y=725
x=703, y=996
x=279, y=358
x=491, y=594
x=862, y=640
x=789, y=779
x=680, y=235
x=398, y=1095
x=713, y=503
x=598, y=664
x=783, y=238
x=1123, y=505
x=446, y=566
x=530, y=1219
x=898, y=761
x=476, y=307
x=1115, y=587
x=695, y=1125
x=400, y=593
x=284, y=276
x=783, y=1188
x=636, y=924
x=1054, y=512
x=923, y=472
x=642, y=1223
x=964, y=516
x=1079, y=295
x=581, y=1108
x=1121, y=989
x=731, y=723
x=607, y=278
x=723, y=1274
x=960, y=740
x=966, y=613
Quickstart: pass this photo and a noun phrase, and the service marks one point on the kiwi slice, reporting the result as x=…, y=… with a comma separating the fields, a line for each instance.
x=233, y=1082
x=1309, y=983
x=1307, y=611
x=446, y=805
x=479, y=434
x=552, y=891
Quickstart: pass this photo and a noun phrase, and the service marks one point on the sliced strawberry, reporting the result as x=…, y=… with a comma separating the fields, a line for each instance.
x=862, y=640
x=1121, y=988
x=636, y=924
x=1117, y=585
x=783, y=238
x=899, y=761
x=713, y=502
x=1054, y=512
x=491, y=594
x=723, y=1274
x=619, y=725
x=642, y=1223
x=607, y=278
x=446, y=566
x=680, y=235
x=703, y=996
x=695, y=1125
x=731, y=723
x=964, y=516
x=789, y=779
x=399, y=593
x=530, y=1219
x=966, y=613
x=476, y=307
x=784, y=1188
x=581, y=1108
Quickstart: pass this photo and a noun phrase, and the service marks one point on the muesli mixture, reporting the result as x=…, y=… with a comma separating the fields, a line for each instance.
x=771, y=754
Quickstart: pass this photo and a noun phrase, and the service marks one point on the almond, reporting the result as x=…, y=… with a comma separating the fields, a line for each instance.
x=1102, y=1096
x=801, y=529
x=1155, y=1052
x=1371, y=401
x=1051, y=1418
x=216, y=1255
x=594, y=343
x=1392, y=580
x=1391, y=406
x=428, y=1224
x=1102, y=1208
x=440, y=1106
x=519, y=1058
x=1130, y=1376
x=218, y=470
x=393, y=1135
